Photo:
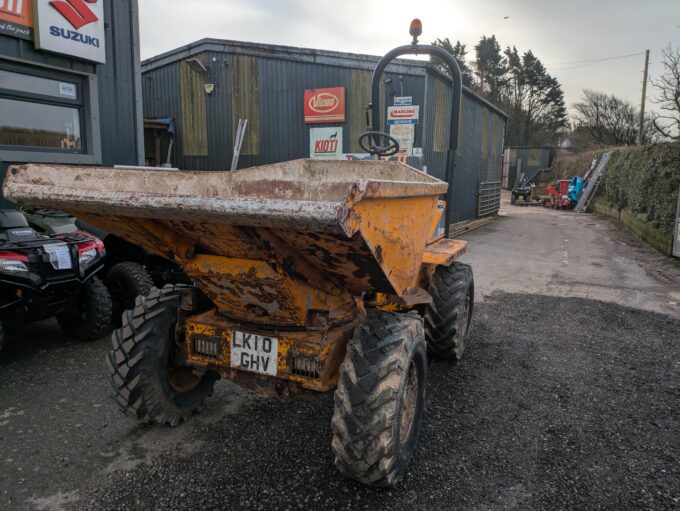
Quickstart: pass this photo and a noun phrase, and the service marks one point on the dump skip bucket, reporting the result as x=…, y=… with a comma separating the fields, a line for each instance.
x=364, y=224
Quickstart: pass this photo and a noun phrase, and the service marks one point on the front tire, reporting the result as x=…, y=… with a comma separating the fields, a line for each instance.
x=144, y=368
x=380, y=398
x=448, y=317
x=126, y=281
x=90, y=317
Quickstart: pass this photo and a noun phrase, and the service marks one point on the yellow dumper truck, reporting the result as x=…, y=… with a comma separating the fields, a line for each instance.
x=308, y=276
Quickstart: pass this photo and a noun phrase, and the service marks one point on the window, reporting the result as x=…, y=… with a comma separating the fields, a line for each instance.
x=19, y=82
x=40, y=112
x=24, y=123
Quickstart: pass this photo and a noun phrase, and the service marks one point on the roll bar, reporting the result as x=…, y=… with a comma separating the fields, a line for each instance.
x=415, y=49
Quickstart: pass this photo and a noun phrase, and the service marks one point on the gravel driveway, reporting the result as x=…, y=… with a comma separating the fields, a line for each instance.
x=561, y=402
x=575, y=412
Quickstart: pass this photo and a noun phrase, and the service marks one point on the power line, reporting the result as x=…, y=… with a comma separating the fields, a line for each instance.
x=593, y=60
x=590, y=62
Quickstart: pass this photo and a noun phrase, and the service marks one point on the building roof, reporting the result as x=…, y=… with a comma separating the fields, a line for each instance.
x=311, y=55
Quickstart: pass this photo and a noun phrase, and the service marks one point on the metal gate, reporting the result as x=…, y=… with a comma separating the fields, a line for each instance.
x=489, y=201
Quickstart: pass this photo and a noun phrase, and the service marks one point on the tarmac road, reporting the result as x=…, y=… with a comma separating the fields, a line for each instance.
x=566, y=398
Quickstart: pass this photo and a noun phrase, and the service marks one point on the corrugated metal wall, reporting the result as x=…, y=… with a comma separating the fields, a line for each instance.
x=118, y=82
x=480, y=149
x=283, y=135
x=532, y=160
x=280, y=82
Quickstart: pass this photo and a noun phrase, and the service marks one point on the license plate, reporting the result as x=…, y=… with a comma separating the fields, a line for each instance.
x=255, y=353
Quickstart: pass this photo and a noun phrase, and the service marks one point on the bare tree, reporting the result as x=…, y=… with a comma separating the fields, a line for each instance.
x=609, y=120
x=668, y=95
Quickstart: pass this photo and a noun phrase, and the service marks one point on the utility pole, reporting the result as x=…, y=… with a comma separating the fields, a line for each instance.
x=641, y=140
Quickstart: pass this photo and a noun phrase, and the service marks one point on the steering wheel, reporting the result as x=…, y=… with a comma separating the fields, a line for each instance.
x=368, y=141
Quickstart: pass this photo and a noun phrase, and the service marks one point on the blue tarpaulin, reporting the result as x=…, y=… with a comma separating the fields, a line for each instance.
x=575, y=188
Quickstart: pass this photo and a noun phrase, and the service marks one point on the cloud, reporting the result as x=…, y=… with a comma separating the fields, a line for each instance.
x=555, y=31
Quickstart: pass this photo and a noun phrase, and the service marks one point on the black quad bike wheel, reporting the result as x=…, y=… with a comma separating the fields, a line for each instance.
x=448, y=317
x=380, y=398
x=144, y=368
x=90, y=317
x=126, y=281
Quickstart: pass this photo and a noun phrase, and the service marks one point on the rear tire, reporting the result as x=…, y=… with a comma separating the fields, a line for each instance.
x=147, y=384
x=448, y=317
x=90, y=317
x=380, y=398
x=126, y=281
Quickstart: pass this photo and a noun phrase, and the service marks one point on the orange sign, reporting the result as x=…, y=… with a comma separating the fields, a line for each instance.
x=325, y=105
x=16, y=18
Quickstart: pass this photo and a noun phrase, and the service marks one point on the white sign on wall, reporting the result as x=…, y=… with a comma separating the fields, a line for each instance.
x=403, y=100
x=325, y=143
x=71, y=27
x=405, y=135
x=403, y=114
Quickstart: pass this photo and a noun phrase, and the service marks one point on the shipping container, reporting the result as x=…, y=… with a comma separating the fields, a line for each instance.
x=207, y=86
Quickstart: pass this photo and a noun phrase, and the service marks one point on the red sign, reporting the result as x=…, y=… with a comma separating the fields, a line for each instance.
x=76, y=12
x=325, y=105
x=16, y=18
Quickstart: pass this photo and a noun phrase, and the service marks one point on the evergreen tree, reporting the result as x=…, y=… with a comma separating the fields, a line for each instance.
x=459, y=51
x=490, y=66
x=517, y=83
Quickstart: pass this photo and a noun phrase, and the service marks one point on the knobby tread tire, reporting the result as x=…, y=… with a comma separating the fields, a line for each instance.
x=138, y=364
x=447, y=323
x=368, y=398
x=97, y=319
x=137, y=281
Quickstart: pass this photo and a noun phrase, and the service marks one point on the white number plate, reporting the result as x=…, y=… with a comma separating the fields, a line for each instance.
x=60, y=257
x=255, y=353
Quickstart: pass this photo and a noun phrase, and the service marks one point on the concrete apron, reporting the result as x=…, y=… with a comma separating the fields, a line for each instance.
x=561, y=253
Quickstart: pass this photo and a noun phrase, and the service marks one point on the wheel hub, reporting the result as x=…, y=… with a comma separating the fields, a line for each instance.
x=182, y=379
x=408, y=403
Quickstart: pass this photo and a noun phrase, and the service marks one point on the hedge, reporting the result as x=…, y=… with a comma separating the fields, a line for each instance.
x=643, y=180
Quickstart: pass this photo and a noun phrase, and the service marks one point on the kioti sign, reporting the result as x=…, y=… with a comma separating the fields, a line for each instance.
x=325, y=105
x=325, y=143
x=71, y=27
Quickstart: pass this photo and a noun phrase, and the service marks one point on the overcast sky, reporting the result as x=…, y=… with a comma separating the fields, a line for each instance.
x=562, y=33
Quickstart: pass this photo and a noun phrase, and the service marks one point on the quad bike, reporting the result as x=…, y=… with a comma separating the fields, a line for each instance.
x=44, y=276
x=128, y=272
x=305, y=276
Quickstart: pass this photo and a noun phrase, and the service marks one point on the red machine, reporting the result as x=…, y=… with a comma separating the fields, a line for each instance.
x=558, y=198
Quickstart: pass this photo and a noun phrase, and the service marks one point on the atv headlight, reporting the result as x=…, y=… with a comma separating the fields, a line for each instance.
x=13, y=266
x=87, y=257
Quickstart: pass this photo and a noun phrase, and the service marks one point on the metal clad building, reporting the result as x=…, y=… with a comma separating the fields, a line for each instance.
x=208, y=85
x=524, y=159
x=58, y=107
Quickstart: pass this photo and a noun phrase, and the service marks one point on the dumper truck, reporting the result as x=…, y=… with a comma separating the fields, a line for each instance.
x=308, y=276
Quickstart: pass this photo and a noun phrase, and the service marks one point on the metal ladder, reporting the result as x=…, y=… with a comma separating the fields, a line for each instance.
x=587, y=196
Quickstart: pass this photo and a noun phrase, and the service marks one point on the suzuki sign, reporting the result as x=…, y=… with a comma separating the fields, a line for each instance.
x=325, y=105
x=71, y=27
